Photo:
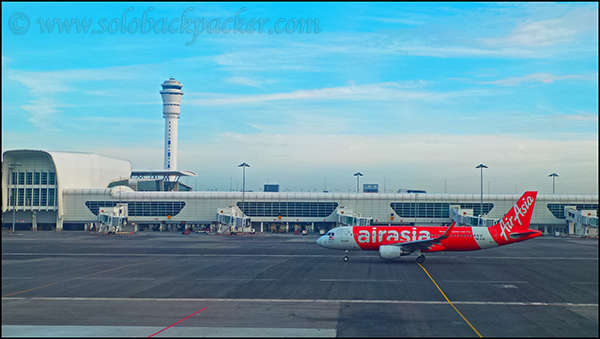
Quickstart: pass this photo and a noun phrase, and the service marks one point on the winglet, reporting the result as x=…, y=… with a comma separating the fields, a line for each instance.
x=445, y=235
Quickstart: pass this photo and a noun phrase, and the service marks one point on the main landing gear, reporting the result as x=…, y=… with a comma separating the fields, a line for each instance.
x=346, y=256
x=420, y=259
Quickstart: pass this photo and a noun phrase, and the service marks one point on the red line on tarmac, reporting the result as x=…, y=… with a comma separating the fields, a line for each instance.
x=166, y=328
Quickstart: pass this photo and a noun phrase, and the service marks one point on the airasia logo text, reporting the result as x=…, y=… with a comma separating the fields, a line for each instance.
x=377, y=236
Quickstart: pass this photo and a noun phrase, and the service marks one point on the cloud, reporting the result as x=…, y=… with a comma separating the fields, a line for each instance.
x=253, y=82
x=43, y=111
x=379, y=91
x=583, y=117
x=5, y=62
x=550, y=32
x=52, y=82
x=295, y=159
x=492, y=30
x=47, y=88
x=282, y=58
x=401, y=21
x=536, y=78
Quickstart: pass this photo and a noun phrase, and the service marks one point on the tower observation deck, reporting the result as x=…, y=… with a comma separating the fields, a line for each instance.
x=171, y=97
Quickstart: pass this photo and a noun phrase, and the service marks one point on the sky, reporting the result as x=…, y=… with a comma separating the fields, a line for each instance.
x=412, y=95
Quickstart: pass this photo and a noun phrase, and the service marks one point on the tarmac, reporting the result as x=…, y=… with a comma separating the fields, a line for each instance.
x=165, y=284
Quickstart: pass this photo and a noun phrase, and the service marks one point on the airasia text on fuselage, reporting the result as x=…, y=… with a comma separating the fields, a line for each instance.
x=385, y=236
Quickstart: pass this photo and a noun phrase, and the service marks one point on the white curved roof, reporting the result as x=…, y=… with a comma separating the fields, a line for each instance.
x=88, y=170
x=73, y=169
x=79, y=169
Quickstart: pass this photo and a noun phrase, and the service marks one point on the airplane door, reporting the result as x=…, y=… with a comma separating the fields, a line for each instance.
x=345, y=235
x=494, y=235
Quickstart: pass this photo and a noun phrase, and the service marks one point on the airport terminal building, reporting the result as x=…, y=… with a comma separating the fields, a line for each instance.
x=44, y=190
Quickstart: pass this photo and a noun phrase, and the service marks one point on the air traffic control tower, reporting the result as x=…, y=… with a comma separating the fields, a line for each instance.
x=171, y=96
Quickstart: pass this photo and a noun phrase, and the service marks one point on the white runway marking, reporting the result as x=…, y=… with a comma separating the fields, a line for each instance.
x=170, y=255
x=366, y=255
x=143, y=331
x=413, y=302
x=227, y=279
x=117, y=278
x=485, y=282
x=532, y=258
x=584, y=283
x=359, y=280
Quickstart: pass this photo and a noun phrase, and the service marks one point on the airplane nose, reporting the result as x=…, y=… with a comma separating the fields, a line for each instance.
x=320, y=241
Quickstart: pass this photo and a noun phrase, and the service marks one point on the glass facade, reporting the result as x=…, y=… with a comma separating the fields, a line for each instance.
x=51, y=196
x=141, y=208
x=288, y=209
x=36, y=189
x=36, y=197
x=434, y=209
x=44, y=199
x=558, y=210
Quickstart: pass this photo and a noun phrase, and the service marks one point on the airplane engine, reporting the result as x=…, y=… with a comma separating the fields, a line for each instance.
x=391, y=252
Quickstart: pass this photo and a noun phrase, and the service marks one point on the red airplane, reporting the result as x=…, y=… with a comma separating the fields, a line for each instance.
x=392, y=242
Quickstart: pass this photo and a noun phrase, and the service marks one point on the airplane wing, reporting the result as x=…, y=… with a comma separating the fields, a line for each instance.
x=414, y=245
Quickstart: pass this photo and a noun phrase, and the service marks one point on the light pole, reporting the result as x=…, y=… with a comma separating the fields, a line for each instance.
x=10, y=171
x=482, y=166
x=357, y=175
x=243, y=165
x=553, y=175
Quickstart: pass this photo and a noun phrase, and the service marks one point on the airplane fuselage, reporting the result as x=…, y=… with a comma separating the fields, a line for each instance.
x=395, y=241
x=370, y=238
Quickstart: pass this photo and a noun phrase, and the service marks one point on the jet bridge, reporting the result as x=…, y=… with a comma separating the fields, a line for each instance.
x=583, y=223
x=112, y=220
x=345, y=217
x=465, y=217
x=230, y=220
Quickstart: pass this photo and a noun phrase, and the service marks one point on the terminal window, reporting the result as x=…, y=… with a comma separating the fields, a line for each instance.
x=51, y=197
x=13, y=194
x=44, y=197
x=36, y=197
x=288, y=209
x=28, y=196
x=434, y=209
x=558, y=210
x=141, y=208
x=21, y=199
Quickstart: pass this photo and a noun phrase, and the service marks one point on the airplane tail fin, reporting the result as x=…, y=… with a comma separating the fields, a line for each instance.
x=515, y=224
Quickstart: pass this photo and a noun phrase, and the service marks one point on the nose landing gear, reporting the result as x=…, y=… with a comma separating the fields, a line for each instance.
x=346, y=256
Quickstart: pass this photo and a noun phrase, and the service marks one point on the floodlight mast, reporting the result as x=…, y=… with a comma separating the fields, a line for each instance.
x=481, y=166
